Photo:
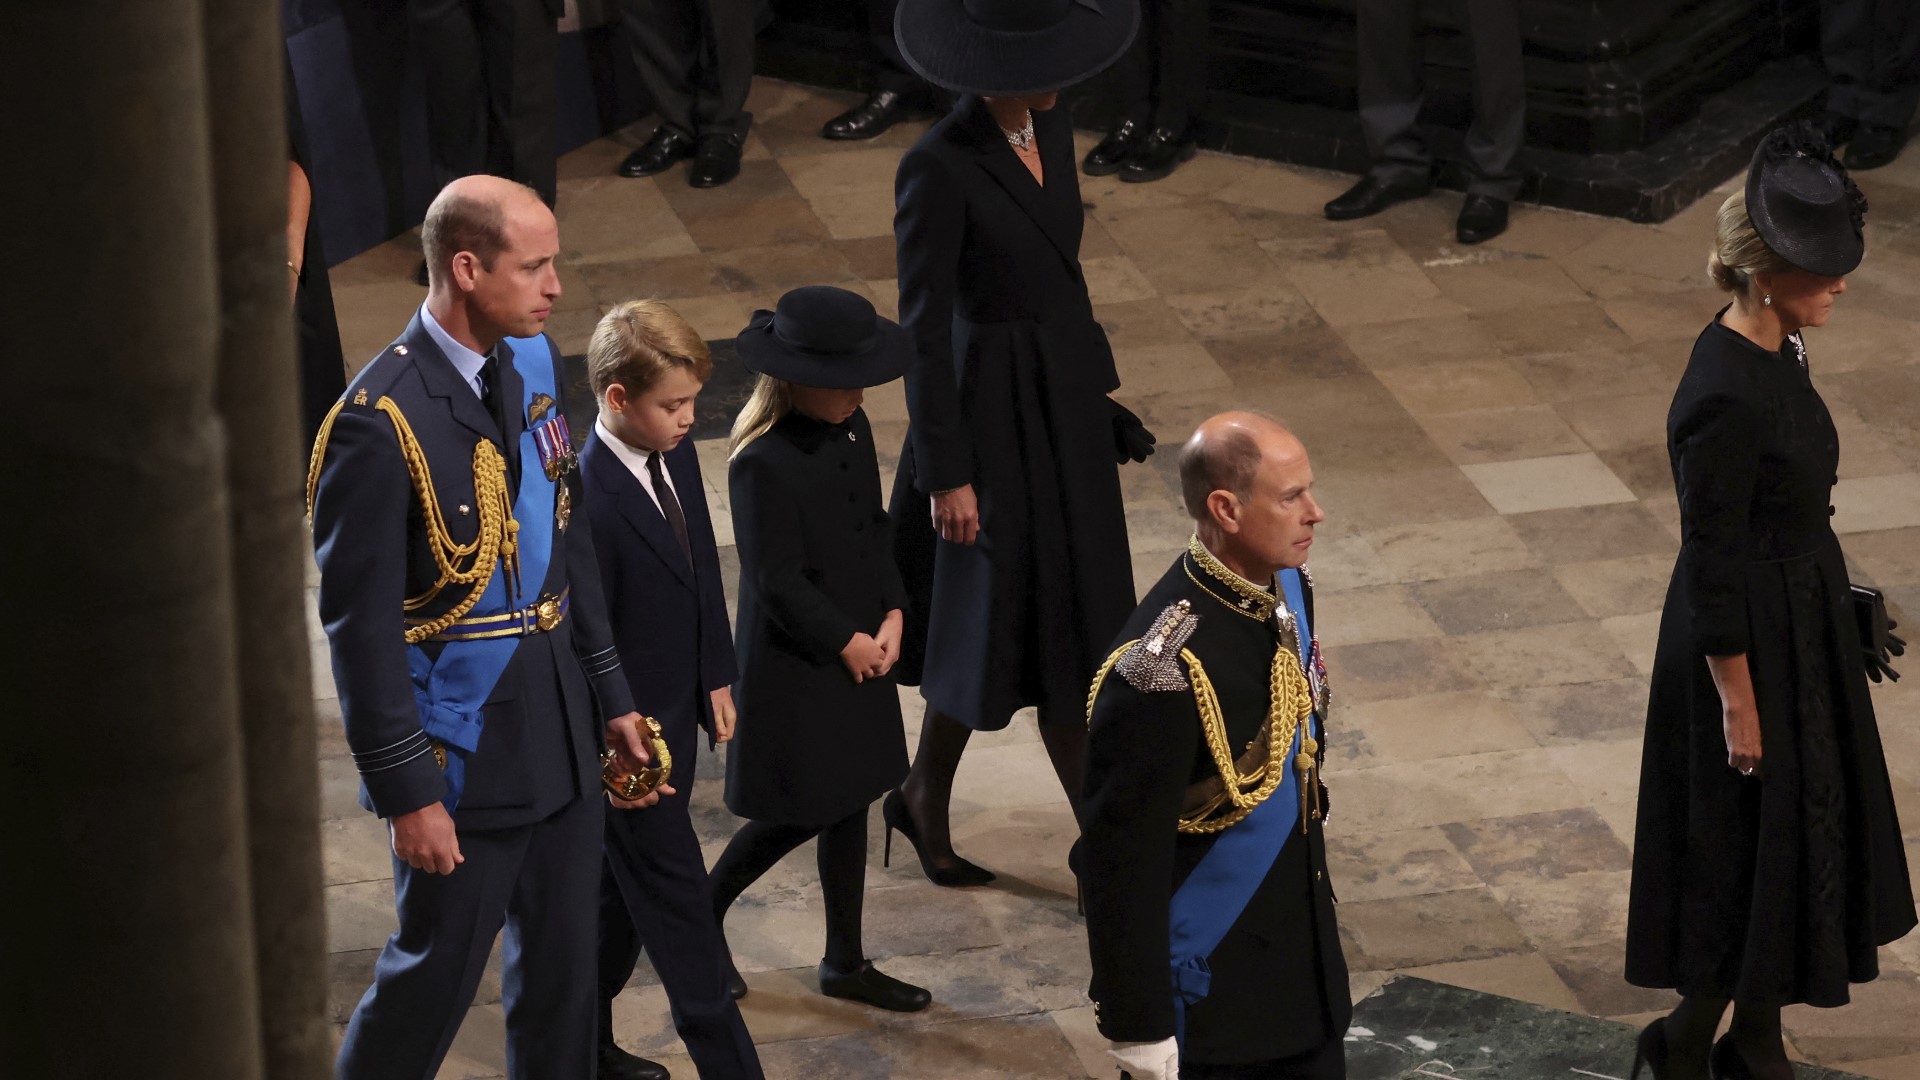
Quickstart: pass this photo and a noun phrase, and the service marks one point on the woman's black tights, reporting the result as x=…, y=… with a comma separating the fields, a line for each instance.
x=1755, y=1032
x=842, y=857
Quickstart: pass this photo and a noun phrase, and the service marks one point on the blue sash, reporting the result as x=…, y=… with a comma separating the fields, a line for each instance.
x=451, y=690
x=1210, y=900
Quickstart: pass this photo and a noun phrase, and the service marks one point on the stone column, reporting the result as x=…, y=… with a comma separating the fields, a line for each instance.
x=258, y=401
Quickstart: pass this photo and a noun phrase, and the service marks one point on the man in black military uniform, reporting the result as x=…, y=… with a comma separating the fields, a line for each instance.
x=1209, y=913
x=477, y=677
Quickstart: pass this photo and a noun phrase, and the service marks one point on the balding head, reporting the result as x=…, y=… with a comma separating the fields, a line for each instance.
x=1247, y=484
x=471, y=214
x=1224, y=454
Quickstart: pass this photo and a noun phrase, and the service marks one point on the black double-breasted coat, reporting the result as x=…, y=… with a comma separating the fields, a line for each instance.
x=1008, y=393
x=1774, y=889
x=816, y=568
x=1279, y=978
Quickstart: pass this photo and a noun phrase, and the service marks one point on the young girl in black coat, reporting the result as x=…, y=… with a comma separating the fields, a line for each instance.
x=819, y=736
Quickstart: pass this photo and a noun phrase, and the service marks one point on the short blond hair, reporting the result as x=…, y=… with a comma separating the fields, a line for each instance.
x=639, y=342
x=1738, y=251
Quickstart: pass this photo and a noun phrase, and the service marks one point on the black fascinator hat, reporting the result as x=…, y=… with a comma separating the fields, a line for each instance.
x=1803, y=203
x=1013, y=48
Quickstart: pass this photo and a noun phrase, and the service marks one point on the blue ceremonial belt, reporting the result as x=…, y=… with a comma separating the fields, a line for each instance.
x=1210, y=900
x=452, y=688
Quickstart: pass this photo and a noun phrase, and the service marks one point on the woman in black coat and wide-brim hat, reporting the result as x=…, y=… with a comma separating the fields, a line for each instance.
x=1768, y=864
x=1007, y=511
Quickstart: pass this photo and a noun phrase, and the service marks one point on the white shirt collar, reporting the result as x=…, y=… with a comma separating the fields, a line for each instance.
x=465, y=360
x=635, y=459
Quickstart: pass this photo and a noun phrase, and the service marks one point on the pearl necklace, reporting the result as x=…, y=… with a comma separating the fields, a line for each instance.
x=1021, y=138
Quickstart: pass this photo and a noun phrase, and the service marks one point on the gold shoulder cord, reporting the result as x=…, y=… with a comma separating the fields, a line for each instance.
x=499, y=532
x=1292, y=704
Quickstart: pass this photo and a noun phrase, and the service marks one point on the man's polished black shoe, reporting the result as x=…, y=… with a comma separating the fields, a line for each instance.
x=1482, y=218
x=715, y=161
x=1158, y=155
x=1114, y=150
x=668, y=145
x=868, y=986
x=1875, y=145
x=1370, y=196
x=869, y=119
x=614, y=1063
x=736, y=982
x=1838, y=128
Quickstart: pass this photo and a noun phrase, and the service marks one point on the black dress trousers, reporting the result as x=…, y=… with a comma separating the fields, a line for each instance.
x=491, y=100
x=1164, y=71
x=1391, y=89
x=1872, y=52
x=695, y=59
x=891, y=72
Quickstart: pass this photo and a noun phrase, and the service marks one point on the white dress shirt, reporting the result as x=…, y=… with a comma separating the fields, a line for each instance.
x=467, y=362
x=635, y=460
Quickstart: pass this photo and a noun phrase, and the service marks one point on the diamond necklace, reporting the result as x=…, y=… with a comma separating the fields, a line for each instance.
x=1021, y=138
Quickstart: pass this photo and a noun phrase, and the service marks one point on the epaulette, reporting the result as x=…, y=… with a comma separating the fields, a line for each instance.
x=1153, y=663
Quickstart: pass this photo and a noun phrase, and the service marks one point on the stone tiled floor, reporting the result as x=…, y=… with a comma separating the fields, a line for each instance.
x=1486, y=425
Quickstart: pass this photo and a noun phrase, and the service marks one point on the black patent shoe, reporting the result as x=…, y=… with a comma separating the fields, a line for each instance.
x=716, y=161
x=955, y=874
x=1370, y=196
x=667, y=146
x=613, y=1063
x=1651, y=1050
x=1875, y=145
x=867, y=985
x=869, y=119
x=1482, y=218
x=1157, y=156
x=1113, y=151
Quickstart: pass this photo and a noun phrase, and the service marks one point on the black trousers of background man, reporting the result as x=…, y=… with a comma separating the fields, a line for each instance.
x=1391, y=89
x=491, y=101
x=695, y=59
x=1872, y=53
x=1164, y=72
x=890, y=69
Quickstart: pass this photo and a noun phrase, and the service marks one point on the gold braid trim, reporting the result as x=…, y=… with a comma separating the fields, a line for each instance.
x=499, y=532
x=1292, y=704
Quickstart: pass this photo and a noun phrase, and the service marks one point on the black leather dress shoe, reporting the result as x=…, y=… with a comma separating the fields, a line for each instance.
x=1114, y=150
x=616, y=1064
x=736, y=983
x=870, y=118
x=1157, y=156
x=715, y=161
x=1838, y=128
x=668, y=145
x=1482, y=217
x=1370, y=196
x=1875, y=145
x=868, y=986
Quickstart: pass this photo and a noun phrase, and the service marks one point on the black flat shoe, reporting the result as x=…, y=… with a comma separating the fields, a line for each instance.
x=1370, y=196
x=736, y=982
x=1651, y=1050
x=1157, y=156
x=1725, y=1062
x=614, y=1063
x=1482, y=218
x=1113, y=151
x=716, y=161
x=958, y=873
x=867, y=985
x=1838, y=129
x=1875, y=145
x=869, y=119
x=667, y=146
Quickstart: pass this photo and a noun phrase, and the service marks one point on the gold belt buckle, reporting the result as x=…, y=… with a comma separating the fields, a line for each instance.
x=546, y=614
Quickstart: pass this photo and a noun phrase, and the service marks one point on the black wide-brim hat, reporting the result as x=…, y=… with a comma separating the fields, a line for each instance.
x=1803, y=203
x=1013, y=48
x=827, y=337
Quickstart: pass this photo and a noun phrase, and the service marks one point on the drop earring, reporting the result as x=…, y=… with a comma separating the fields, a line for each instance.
x=1767, y=300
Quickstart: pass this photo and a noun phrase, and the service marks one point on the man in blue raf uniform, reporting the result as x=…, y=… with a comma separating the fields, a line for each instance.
x=1209, y=913
x=471, y=651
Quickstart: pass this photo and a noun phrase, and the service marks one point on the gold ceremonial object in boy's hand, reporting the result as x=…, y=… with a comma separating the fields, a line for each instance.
x=632, y=786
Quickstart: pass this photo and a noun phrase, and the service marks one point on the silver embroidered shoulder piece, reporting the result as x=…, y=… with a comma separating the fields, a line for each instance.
x=1153, y=663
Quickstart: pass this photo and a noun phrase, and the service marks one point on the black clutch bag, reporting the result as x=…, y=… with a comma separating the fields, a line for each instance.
x=1878, y=643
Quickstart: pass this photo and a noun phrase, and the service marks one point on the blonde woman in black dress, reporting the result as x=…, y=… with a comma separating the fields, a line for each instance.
x=1768, y=863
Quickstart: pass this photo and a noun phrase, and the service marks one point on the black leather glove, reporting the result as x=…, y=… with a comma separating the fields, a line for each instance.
x=1878, y=665
x=1131, y=439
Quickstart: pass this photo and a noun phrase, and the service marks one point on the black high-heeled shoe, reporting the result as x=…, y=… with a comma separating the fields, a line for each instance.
x=1651, y=1050
x=893, y=811
x=1726, y=1062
